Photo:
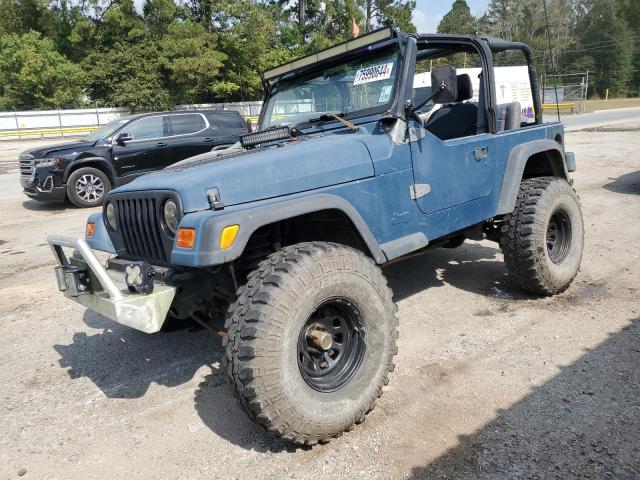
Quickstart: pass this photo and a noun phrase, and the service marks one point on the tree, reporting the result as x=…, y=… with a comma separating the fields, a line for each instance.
x=458, y=20
x=35, y=75
x=630, y=11
x=248, y=33
x=127, y=75
x=601, y=27
x=189, y=54
x=396, y=12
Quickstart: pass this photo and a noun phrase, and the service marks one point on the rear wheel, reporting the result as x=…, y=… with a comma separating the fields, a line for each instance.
x=543, y=238
x=87, y=187
x=311, y=340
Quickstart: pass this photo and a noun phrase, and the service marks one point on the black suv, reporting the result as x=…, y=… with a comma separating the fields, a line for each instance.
x=122, y=150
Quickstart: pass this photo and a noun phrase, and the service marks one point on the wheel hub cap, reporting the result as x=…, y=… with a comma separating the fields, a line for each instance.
x=89, y=188
x=558, y=236
x=331, y=345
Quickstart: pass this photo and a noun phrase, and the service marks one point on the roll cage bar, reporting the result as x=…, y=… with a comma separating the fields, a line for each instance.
x=408, y=46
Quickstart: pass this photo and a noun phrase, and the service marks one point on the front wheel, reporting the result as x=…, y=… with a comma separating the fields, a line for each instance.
x=311, y=339
x=87, y=187
x=543, y=238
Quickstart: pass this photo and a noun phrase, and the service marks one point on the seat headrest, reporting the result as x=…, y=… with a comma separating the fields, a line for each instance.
x=465, y=89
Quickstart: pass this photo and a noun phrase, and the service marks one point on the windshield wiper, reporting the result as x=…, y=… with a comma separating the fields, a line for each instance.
x=325, y=117
x=335, y=116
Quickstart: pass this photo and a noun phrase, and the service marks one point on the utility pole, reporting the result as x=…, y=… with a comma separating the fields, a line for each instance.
x=301, y=18
x=301, y=13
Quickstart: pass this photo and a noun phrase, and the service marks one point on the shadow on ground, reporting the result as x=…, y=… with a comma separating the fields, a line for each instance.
x=123, y=362
x=55, y=207
x=627, y=183
x=473, y=267
x=583, y=423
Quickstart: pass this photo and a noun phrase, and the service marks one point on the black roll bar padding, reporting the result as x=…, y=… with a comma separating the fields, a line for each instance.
x=498, y=45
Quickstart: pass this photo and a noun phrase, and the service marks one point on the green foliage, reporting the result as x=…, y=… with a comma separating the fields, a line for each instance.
x=190, y=56
x=35, y=75
x=604, y=26
x=458, y=19
x=248, y=35
x=167, y=52
x=593, y=35
x=127, y=75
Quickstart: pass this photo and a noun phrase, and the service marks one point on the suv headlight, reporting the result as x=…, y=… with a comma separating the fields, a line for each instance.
x=170, y=213
x=110, y=213
x=48, y=162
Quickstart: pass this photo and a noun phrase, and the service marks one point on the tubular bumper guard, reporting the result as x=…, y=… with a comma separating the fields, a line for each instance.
x=142, y=312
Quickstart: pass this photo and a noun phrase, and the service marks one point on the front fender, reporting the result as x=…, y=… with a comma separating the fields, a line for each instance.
x=515, y=168
x=100, y=240
x=88, y=161
x=209, y=225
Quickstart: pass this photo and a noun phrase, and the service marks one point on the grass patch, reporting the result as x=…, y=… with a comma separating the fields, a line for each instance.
x=593, y=105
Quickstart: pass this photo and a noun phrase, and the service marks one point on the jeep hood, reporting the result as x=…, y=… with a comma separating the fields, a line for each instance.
x=262, y=173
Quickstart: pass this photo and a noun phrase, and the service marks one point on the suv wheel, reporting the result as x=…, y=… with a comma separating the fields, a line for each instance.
x=543, y=238
x=87, y=187
x=311, y=340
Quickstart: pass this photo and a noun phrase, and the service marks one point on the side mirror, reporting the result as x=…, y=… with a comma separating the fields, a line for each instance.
x=123, y=138
x=444, y=84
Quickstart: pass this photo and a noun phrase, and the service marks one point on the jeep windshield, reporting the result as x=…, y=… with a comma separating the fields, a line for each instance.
x=353, y=87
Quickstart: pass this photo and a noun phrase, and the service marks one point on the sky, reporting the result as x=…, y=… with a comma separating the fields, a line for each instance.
x=428, y=13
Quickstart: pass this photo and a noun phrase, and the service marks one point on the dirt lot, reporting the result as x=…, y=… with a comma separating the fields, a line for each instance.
x=489, y=384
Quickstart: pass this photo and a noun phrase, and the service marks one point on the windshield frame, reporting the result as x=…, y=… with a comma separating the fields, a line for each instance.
x=379, y=50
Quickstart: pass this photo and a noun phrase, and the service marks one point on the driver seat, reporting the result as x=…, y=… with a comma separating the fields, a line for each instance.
x=457, y=119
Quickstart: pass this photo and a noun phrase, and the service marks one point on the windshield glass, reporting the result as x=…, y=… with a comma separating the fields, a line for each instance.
x=350, y=86
x=106, y=130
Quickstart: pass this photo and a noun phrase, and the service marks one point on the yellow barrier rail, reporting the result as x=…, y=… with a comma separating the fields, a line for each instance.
x=58, y=131
x=561, y=106
x=46, y=131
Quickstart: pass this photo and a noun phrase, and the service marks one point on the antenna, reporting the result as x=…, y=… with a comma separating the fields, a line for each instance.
x=555, y=77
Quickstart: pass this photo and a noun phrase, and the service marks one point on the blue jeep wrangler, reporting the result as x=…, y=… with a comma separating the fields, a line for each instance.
x=368, y=152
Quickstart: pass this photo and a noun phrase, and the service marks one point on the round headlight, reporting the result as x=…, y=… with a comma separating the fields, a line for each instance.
x=171, y=220
x=111, y=216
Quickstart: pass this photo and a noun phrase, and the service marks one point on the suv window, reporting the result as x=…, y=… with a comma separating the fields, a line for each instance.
x=185, y=124
x=146, y=128
x=228, y=121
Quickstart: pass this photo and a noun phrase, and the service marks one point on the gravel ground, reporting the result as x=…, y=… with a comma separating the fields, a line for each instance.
x=490, y=383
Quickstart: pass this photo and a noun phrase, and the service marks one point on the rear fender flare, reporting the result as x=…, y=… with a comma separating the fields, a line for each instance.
x=516, y=164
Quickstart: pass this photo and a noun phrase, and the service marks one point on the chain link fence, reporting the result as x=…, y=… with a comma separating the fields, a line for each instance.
x=568, y=90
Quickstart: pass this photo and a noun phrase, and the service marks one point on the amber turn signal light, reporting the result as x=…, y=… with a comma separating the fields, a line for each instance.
x=228, y=236
x=186, y=237
x=90, y=229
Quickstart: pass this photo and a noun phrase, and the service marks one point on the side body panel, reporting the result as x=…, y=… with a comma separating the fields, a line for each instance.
x=379, y=203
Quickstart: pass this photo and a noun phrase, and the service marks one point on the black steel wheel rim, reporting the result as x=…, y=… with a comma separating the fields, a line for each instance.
x=331, y=345
x=559, y=236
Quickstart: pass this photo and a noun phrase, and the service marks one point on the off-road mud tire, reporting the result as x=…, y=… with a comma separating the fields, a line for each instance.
x=264, y=326
x=524, y=240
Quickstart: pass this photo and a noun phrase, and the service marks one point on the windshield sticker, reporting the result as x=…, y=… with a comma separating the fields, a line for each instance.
x=385, y=93
x=373, y=74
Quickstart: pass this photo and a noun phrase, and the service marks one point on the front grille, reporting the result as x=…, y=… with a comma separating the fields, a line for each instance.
x=26, y=167
x=139, y=226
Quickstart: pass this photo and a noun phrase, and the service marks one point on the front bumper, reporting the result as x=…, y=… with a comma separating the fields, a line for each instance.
x=86, y=281
x=45, y=192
